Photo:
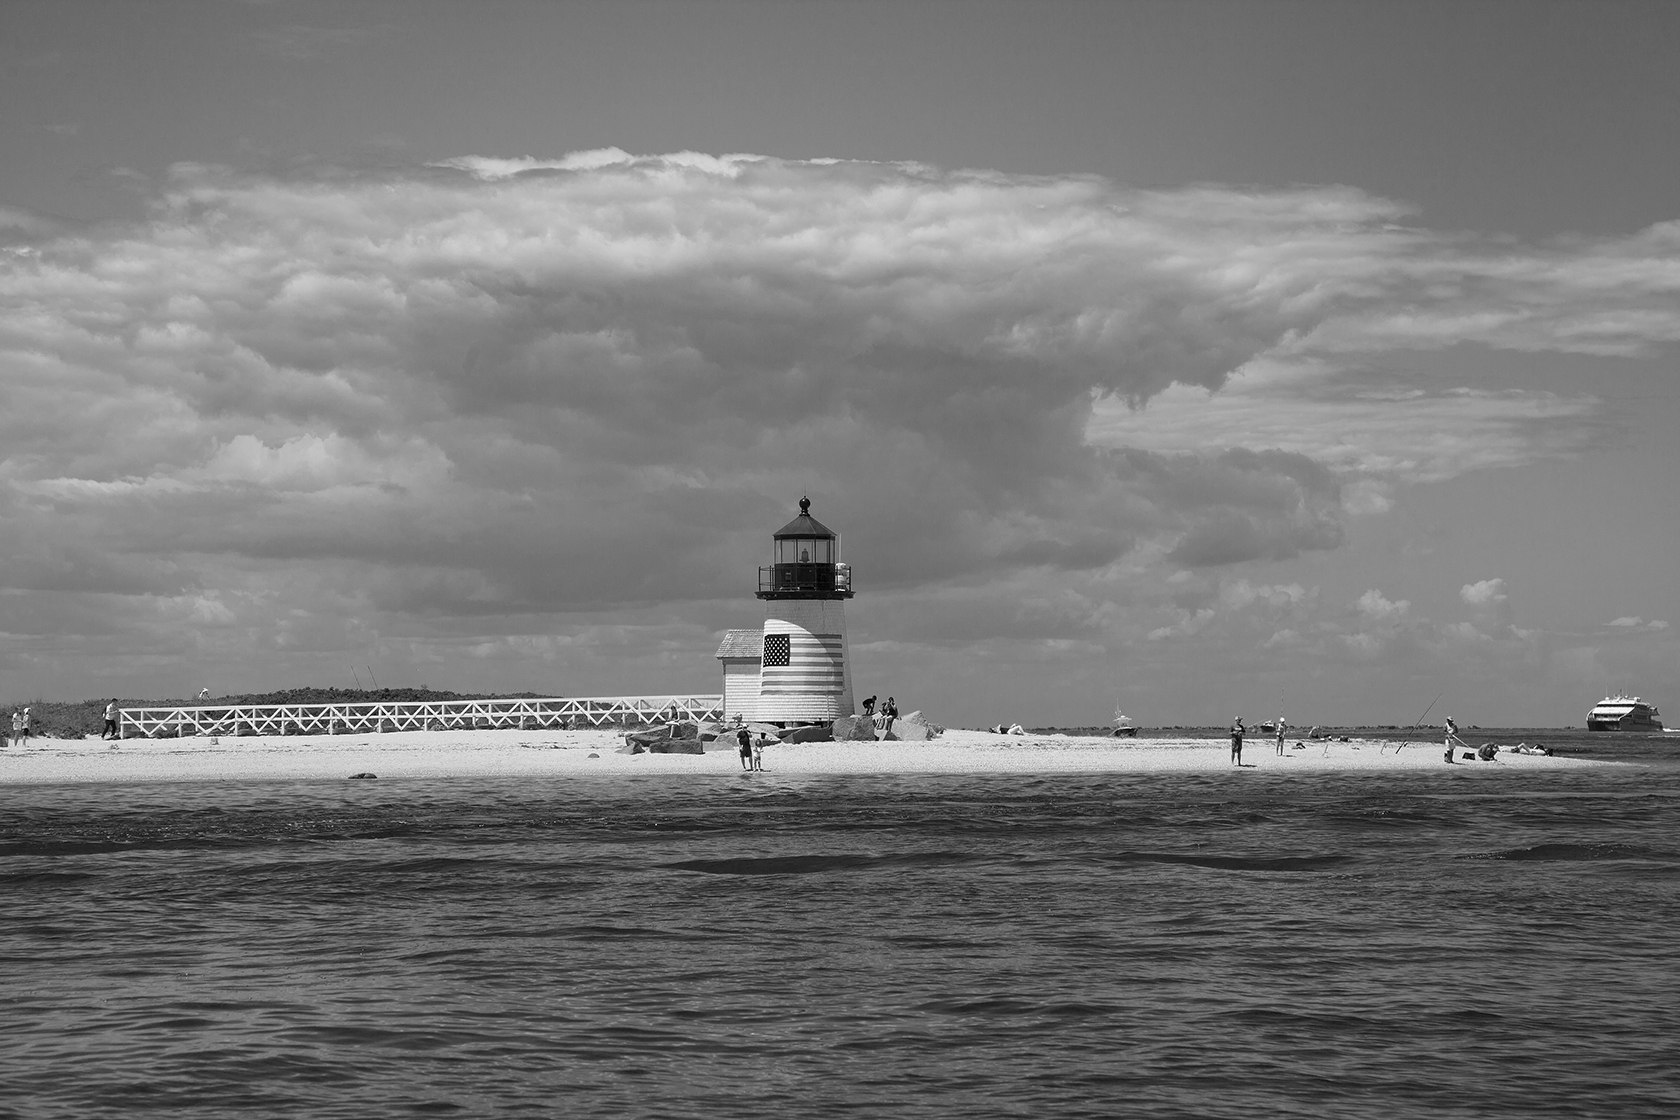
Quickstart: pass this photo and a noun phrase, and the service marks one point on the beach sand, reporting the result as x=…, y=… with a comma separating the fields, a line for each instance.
x=563, y=754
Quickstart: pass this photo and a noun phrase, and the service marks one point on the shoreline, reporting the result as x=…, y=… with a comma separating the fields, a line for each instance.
x=563, y=754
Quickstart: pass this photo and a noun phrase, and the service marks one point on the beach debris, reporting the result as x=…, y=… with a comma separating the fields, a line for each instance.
x=364, y=774
x=592, y=754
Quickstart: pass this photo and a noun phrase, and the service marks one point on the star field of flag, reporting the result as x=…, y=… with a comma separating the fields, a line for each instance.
x=778, y=649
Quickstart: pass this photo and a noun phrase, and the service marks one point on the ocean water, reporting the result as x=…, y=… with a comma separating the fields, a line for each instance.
x=1458, y=943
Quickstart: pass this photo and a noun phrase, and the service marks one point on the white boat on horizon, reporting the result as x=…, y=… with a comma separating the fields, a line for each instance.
x=1624, y=713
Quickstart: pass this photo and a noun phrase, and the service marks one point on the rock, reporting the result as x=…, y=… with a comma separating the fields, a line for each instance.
x=647, y=737
x=706, y=732
x=685, y=730
x=889, y=736
x=354, y=777
x=915, y=727
x=631, y=748
x=815, y=733
x=592, y=754
x=853, y=729
x=678, y=746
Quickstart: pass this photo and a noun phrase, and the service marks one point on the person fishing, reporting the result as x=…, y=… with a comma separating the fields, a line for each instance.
x=1452, y=736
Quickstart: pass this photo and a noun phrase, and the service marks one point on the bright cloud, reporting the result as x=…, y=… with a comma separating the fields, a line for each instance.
x=1486, y=592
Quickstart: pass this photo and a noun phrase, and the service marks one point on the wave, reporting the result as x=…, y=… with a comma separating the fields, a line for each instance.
x=1574, y=853
x=815, y=864
x=1234, y=863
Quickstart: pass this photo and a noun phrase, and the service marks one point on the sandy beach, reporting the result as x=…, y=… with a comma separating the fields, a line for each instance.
x=579, y=753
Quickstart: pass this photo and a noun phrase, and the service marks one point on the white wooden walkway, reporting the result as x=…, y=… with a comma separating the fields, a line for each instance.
x=413, y=715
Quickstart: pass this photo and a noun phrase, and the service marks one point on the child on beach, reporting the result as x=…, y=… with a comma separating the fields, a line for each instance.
x=758, y=753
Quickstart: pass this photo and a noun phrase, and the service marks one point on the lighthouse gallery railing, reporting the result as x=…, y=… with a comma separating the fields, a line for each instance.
x=414, y=715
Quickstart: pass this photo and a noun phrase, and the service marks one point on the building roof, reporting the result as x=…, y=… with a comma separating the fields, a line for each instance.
x=804, y=525
x=742, y=643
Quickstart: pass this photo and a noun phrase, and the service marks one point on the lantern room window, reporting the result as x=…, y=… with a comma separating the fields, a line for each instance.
x=805, y=550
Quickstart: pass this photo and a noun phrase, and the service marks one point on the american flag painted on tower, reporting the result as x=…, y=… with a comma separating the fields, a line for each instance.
x=800, y=663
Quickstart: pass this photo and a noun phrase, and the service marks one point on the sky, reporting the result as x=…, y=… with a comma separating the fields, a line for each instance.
x=1201, y=358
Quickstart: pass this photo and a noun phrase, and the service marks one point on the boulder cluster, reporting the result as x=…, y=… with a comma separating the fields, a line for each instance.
x=697, y=738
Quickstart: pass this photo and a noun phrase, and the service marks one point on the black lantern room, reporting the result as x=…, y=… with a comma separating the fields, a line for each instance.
x=806, y=556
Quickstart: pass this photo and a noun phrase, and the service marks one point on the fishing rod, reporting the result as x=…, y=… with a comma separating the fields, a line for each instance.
x=1432, y=704
x=1420, y=720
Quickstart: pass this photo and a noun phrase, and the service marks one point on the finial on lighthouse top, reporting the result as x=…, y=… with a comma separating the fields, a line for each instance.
x=804, y=525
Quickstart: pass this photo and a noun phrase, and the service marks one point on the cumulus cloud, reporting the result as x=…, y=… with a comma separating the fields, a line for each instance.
x=1374, y=436
x=1487, y=592
x=458, y=402
x=1634, y=622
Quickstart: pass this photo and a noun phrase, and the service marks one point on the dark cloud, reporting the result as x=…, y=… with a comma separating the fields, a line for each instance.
x=526, y=389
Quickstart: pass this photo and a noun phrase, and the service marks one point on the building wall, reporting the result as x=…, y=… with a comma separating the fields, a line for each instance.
x=816, y=684
x=740, y=688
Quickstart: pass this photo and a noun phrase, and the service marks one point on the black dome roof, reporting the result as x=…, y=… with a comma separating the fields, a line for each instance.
x=804, y=525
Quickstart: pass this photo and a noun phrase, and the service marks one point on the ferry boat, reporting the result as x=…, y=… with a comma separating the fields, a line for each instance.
x=1624, y=713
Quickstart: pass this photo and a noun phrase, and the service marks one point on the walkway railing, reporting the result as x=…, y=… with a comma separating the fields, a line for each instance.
x=414, y=715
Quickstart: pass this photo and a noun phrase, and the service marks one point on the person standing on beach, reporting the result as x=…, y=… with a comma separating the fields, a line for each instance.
x=17, y=727
x=26, y=725
x=1452, y=733
x=1281, y=727
x=758, y=752
x=1236, y=740
x=890, y=710
x=110, y=720
x=744, y=737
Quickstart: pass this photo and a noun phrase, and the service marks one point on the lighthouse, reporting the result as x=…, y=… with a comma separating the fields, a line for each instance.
x=797, y=669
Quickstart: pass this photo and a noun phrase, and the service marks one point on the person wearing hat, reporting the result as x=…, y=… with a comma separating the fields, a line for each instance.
x=1236, y=740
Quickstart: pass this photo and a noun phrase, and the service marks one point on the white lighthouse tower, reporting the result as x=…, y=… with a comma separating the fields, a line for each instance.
x=803, y=666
